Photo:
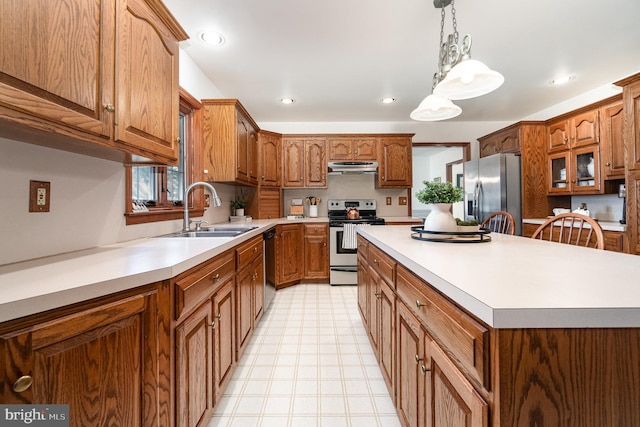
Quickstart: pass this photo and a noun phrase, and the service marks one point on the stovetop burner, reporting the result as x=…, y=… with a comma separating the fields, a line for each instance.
x=337, y=212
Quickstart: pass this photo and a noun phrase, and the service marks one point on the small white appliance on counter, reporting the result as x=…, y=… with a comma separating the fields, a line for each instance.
x=345, y=214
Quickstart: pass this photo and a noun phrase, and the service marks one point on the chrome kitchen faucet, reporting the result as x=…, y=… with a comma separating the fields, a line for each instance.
x=215, y=201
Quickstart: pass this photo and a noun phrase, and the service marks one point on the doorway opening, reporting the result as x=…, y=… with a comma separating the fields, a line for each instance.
x=438, y=161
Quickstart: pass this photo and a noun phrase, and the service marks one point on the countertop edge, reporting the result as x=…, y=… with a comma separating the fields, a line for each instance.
x=509, y=316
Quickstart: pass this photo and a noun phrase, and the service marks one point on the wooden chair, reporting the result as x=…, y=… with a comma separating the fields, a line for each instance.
x=500, y=222
x=573, y=229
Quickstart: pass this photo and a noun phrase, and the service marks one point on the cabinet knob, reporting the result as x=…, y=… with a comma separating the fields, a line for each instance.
x=22, y=383
x=255, y=249
x=213, y=324
x=375, y=260
x=219, y=316
x=419, y=304
x=216, y=277
x=607, y=164
x=418, y=359
x=110, y=108
x=424, y=369
x=377, y=295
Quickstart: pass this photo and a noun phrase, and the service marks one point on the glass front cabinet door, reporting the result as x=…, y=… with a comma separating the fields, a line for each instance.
x=559, y=170
x=586, y=169
x=575, y=171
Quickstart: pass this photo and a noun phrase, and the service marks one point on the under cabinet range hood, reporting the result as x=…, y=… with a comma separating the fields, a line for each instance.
x=353, y=167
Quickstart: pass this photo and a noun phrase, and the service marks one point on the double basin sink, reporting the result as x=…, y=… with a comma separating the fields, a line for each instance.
x=214, y=232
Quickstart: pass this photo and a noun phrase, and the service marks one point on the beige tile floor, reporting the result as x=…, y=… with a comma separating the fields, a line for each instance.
x=309, y=363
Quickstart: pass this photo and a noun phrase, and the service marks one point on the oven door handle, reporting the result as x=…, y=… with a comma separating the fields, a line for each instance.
x=346, y=268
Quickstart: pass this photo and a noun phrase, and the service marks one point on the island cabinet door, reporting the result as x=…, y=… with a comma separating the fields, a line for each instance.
x=116, y=350
x=410, y=399
x=451, y=399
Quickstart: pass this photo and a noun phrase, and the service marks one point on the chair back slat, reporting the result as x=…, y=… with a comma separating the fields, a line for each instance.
x=500, y=222
x=573, y=229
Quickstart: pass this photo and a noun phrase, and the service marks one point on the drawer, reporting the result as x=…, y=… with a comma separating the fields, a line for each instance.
x=383, y=264
x=315, y=229
x=248, y=251
x=466, y=340
x=197, y=284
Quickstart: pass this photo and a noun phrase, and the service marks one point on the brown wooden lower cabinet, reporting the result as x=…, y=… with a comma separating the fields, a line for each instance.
x=302, y=251
x=108, y=359
x=316, y=251
x=613, y=240
x=453, y=370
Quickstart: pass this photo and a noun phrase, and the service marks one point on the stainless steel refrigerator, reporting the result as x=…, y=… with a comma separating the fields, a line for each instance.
x=492, y=184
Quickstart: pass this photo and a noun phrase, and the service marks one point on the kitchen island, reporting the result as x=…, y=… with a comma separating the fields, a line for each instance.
x=510, y=332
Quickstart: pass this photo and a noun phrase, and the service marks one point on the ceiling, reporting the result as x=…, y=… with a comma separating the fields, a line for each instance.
x=339, y=58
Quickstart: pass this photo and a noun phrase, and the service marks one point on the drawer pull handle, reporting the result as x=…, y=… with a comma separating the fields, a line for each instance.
x=419, y=304
x=424, y=369
x=22, y=383
x=418, y=359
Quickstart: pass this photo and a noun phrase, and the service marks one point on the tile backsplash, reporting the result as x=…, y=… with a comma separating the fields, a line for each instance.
x=351, y=187
x=605, y=207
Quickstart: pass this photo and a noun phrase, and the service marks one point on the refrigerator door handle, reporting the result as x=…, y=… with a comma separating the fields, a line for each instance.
x=476, y=195
x=479, y=208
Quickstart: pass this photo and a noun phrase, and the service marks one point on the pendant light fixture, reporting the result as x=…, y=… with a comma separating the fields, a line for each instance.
x=458, y=76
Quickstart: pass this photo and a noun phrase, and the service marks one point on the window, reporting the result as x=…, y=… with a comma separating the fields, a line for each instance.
x=155, y=192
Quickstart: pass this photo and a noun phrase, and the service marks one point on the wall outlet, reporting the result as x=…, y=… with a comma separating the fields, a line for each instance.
x=388, y=201
x=39, y=196
x=402, y=201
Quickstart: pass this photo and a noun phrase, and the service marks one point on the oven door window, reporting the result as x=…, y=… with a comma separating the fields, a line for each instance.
x=339, y=248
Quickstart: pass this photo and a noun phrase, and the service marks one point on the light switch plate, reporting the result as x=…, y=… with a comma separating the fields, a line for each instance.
x=402, y=201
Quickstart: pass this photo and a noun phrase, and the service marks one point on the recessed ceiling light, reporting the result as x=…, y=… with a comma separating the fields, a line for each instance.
x=388, y=100
x=561, y=80
x=212, y=38
x=287, y=101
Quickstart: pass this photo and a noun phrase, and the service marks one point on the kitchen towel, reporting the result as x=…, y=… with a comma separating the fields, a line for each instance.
x=349, y=236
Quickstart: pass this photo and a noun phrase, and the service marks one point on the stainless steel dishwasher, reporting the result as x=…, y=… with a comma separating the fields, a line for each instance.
x=269, y=237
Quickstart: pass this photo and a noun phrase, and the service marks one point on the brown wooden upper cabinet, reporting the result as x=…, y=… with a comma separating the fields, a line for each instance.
x=230, y=143
x=346, y=149
x=394, y=162
x=574, y=131
x=100, y=78
x=269, y=155
x=505, y=141
x=612, y=143
x=304, y=162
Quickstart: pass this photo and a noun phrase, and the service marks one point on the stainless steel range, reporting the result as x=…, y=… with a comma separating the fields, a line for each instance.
x=344, y=215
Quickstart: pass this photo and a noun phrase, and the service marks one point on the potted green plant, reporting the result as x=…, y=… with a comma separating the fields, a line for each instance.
x=471, y=225
x=238, y=207
x=440, y=196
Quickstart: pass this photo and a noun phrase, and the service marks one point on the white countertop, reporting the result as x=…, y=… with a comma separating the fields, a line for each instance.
x=46, y=283
x=517, y=282
x=606, y=225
